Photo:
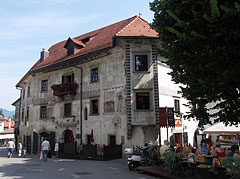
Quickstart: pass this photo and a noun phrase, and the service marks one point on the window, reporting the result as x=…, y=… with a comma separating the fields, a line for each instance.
x=22, y=114
x=176, y=105
x=70, y=51
x=68, y=109
x=142, y=101
x=94, y=75
x=27, y=114
x=43, y=112
x=68, y=78
x=85, y=114
x=23, y=93
x=141, y=63
x=44, y=85
x=28, y=92
x=112, y=139
x=94, y=106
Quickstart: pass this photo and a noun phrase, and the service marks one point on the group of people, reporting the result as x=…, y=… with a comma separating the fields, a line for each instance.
x=45, y=148
x=217, y=152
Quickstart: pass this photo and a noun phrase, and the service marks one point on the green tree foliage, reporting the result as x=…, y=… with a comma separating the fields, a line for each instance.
x=1, y=112
x=201, y=40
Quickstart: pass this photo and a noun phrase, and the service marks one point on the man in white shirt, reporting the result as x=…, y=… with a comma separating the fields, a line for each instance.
x=45, y=148
x=10, y=146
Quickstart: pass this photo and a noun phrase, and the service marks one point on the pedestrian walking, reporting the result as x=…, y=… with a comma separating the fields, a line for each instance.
x=10, y=146
x=20, y=148
x=45, y=147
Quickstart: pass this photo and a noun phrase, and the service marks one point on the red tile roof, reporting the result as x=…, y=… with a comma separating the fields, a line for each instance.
x=101, y=39
x=6, y=123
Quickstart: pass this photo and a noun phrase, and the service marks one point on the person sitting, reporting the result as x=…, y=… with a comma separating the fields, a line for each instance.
x=219, y=153
x=234, y=151
x=164, y=149
x=202, y=149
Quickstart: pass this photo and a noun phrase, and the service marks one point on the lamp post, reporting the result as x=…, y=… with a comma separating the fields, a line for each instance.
x=80, y=104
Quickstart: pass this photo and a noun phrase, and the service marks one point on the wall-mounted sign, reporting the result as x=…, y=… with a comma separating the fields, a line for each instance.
x=178, y=122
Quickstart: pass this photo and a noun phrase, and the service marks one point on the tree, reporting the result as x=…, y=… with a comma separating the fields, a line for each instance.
x=1, y=112
x=201, y=40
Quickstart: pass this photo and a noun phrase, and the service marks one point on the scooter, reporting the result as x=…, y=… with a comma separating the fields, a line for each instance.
x=135, y=159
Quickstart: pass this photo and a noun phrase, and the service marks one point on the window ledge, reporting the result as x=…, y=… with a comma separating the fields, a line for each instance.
x=43, y=91
x=144, y=72
x=92, y=82
x=94, y=114
x=143, y=110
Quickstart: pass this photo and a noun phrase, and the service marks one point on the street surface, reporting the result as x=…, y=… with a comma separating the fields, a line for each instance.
x=32, y=167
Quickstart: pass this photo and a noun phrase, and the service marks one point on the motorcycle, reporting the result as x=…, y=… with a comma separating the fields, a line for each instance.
x=136, y=159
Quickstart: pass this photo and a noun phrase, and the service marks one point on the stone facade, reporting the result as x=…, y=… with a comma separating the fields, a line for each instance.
x=115, y=91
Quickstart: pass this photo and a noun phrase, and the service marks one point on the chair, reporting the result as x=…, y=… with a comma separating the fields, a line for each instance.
x=200, y=161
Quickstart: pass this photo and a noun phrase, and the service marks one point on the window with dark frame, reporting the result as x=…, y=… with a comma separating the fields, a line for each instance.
x=28, y=92
x=112, y=139
x=70, y=51
x=143, y=101
x=23, y=93
x=94, y=74
x=176, y=105
x=27, y=114
x=86, y=114
x=141, y=63
x=67, y=109
x=68, y=78
x=22, y=115
x=44, y=85
x=94, y=106
x=43, y=112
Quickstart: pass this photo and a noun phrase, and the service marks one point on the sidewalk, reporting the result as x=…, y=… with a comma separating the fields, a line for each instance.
x=157, y=171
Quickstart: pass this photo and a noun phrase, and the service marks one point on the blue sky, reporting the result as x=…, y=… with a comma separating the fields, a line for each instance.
x=27, y=26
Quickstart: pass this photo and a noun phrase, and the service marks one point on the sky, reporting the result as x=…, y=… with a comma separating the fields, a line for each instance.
x=27, y=26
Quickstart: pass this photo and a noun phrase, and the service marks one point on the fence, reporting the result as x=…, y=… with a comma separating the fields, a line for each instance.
x=90, y=152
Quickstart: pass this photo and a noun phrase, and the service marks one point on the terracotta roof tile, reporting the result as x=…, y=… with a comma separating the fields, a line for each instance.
x=100, y=39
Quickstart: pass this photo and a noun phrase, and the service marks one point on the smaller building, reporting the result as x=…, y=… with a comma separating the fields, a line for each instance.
x=6, y=129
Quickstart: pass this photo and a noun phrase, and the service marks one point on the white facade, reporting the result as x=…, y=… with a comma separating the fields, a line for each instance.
x=168, y=93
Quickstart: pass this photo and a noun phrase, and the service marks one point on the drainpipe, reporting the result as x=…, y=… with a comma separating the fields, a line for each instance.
x=80, y=105
x=19, y=112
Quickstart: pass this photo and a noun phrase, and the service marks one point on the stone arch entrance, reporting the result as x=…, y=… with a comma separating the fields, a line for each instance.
x=68, y=146
x=68, y=136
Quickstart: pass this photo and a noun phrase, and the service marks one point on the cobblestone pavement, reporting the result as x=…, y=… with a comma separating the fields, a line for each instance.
x=31, y=168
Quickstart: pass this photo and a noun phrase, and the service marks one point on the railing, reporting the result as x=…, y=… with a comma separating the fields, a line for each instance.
x=64, y=88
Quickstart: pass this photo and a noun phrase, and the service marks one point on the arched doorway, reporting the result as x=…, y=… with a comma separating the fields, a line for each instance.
x=68, y=136
x=69, y=146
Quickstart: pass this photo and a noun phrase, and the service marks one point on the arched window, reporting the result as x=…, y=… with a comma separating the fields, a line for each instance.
x=86, y=114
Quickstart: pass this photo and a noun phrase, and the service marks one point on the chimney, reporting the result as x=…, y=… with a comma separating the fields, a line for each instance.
x=44, y=54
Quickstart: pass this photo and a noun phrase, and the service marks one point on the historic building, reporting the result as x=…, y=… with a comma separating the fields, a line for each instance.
x=100, y=87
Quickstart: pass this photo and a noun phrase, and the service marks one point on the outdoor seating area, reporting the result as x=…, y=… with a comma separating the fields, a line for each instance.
x=192, y=163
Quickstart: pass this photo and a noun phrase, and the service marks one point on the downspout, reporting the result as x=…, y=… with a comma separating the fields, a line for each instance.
x=81, y=79
x=19, y=112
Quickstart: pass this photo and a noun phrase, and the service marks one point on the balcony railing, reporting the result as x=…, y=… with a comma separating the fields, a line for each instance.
x=64, y=88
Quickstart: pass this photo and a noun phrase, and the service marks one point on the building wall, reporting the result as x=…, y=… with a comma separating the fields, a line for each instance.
x=168, y=92
x=109, y=89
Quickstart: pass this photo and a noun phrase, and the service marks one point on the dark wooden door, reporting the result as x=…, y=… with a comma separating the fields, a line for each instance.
x=35, y=143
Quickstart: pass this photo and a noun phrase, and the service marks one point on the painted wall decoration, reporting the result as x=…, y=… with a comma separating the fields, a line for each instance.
x=109, y=106
x=120, y=102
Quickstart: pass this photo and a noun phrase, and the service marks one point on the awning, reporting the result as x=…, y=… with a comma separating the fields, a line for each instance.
x=220, y=128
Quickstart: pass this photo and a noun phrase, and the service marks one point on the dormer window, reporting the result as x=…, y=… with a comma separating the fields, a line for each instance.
x=70, y=51
x=73, y=46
